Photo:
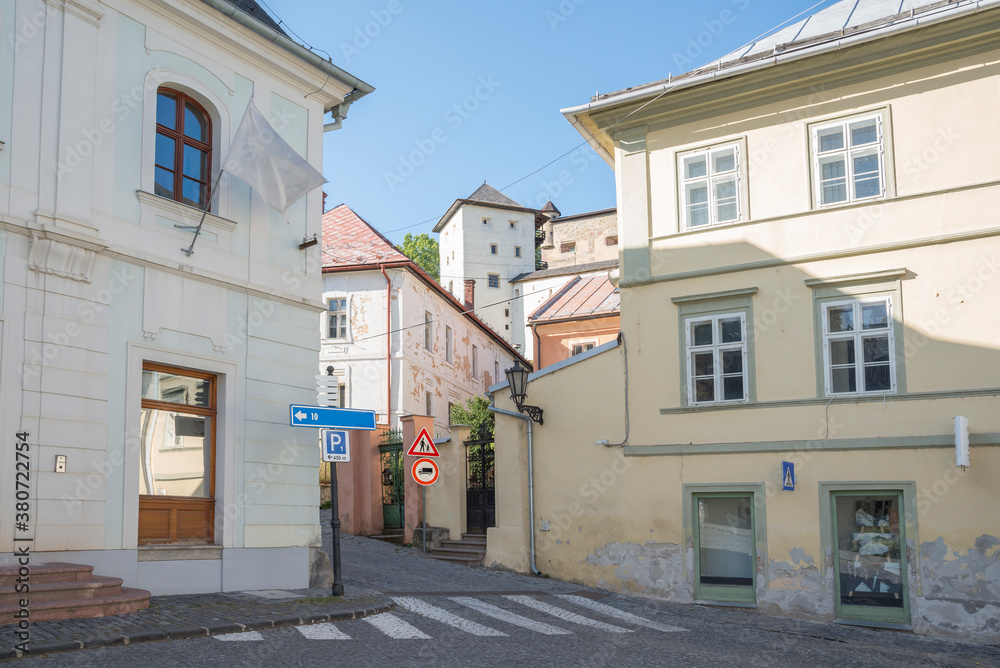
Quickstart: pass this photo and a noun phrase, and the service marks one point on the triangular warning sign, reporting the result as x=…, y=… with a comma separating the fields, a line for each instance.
x=423, y=446
x=788, y=479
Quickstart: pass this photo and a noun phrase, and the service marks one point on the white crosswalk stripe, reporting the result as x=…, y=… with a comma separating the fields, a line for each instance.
x=509, y=617
x=396, y=628
x=566, y=615
x=322, y=632
x=247, y=635
x=437, y=614
x=621, y=615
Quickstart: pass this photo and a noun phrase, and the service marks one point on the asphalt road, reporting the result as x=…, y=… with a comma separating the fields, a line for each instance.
x=449, y=615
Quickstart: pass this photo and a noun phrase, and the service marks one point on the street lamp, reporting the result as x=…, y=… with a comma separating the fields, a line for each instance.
x=517, y=378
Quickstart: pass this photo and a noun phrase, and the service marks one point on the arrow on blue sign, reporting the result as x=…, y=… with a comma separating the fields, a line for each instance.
x=324, y=417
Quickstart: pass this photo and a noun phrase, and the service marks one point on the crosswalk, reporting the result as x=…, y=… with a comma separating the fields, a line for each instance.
x=558, y=615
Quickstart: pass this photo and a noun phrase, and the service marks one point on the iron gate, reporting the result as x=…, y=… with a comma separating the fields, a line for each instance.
x=480, y=492
x=391, y=460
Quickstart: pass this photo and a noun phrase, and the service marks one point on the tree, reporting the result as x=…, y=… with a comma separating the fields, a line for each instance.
x=423, y=250
x=477, y=414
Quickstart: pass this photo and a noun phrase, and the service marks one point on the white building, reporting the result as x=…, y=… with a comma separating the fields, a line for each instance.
x=436, y=354
x=163, y=379
x=489, y=238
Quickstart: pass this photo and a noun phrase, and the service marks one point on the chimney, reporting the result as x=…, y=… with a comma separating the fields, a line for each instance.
x=470, y=294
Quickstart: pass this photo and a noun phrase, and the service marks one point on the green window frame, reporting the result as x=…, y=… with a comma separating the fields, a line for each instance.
x=861, y=289
x=713, y=306
x=697, y=538
x=904, y=495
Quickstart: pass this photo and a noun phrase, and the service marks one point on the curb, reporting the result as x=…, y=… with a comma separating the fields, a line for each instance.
x=178, y=632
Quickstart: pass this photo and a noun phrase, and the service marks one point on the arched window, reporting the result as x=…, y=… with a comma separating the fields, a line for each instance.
x=183, y=148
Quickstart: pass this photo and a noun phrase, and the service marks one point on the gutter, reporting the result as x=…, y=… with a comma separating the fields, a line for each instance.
x=531, y=479
x=360, y=88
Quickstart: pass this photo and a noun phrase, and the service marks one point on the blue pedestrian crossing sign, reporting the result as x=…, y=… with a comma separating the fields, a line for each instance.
x=336, y=445
x=788, y=476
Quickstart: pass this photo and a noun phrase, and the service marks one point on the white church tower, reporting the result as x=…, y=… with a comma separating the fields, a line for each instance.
x=486, y=240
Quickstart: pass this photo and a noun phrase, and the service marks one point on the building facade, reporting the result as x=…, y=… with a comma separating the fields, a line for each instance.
x=399, y=343
x=808, y=323
x=152, y=384
x=489, y=238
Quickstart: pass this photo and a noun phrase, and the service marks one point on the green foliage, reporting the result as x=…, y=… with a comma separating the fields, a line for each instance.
x=423, y=250
x=476, y=414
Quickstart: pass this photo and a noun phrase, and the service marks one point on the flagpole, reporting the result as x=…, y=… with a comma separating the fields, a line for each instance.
x=197, y=230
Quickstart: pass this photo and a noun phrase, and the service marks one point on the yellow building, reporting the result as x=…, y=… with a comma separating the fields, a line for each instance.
x=809, y=260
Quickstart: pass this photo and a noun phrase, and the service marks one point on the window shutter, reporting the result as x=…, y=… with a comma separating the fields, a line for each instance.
x=347, y=321
x=881, y=164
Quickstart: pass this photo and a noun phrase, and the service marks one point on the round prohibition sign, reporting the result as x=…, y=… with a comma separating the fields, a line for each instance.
x=425, y=471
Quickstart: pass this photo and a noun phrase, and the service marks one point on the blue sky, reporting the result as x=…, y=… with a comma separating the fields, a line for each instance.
x=467, y=91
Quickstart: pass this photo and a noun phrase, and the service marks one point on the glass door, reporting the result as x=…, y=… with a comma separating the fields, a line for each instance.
x=870, y=556
x=725, y=550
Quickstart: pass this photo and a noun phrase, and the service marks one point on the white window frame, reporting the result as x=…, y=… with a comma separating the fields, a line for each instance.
x=848, y=152
x=712, y=178
x=329, y=314
x=716, y=348
x=582, y=346
x=449, y=337
x=857, y=335
x=428, y=331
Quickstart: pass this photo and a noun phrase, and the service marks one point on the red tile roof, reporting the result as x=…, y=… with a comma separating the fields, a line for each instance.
x=349, y=241
x=591, y=297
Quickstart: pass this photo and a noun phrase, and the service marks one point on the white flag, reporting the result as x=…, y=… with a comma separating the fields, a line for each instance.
x=263, y=160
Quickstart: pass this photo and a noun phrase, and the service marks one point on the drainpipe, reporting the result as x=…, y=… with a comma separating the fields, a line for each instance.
x=388, y=347
x=531, y=479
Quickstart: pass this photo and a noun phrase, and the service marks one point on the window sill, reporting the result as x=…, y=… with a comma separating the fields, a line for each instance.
x=724, y=604
x=183, y=214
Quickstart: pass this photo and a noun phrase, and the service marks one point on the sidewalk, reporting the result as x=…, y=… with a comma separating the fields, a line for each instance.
x=194, y=615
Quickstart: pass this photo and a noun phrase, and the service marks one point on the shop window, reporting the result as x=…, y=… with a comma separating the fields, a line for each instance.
x=726, y=534
x=177, y=459
x=870, y=555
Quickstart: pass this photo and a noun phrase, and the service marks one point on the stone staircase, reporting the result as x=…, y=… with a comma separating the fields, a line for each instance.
x=469, y=551
x=66, y=591
x=394, y=536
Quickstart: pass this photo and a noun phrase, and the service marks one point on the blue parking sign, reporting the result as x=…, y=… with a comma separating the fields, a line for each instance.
x=336, y=445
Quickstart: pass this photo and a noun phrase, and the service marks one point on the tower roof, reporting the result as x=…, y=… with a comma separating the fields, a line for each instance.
x=490, y=195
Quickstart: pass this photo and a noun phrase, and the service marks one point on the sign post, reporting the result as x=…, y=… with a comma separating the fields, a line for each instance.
x=425, y=473
x=336, y=444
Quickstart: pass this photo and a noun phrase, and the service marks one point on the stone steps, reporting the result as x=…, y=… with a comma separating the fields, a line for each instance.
x=394, y=536
x=65, y=591
x=470, y=551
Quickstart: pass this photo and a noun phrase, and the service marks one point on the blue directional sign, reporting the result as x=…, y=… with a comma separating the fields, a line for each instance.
x=336, y=445
x=340, y=418
x=788, y=476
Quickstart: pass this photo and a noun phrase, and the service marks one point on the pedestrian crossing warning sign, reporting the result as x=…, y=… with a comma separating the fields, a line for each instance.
x=788, y=476
x=423, y=446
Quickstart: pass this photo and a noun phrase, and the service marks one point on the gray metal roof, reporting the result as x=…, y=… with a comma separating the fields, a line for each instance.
x=845, y=23
x=490, y=195
x=837, y=19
